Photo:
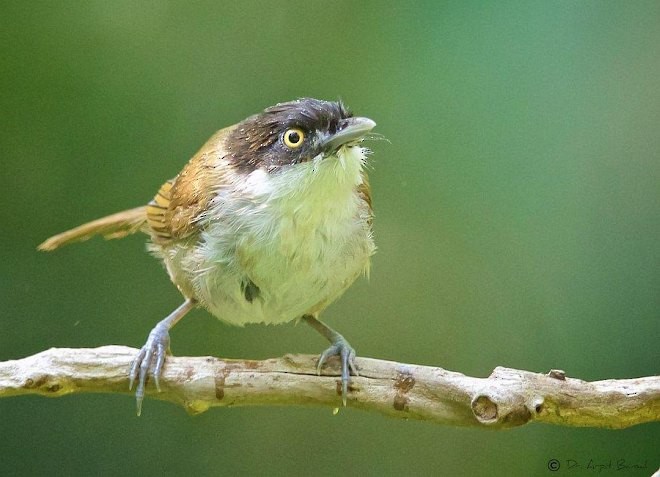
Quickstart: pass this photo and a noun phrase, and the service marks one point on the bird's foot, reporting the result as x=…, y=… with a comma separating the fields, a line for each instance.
x=150, y=359
x=340, y=347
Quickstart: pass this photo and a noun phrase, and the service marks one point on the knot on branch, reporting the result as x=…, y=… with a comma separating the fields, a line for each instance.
x=506, y=400
x=45, y=384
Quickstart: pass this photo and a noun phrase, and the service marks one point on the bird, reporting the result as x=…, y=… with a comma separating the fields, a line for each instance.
x=269, y=222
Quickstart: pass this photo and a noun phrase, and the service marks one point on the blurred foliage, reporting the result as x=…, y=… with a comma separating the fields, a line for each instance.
x=517, y=218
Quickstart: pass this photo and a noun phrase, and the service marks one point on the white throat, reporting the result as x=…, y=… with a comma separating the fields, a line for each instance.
x=322, y=184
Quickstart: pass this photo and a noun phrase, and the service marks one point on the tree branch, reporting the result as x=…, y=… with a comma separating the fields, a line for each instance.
x=507, y=398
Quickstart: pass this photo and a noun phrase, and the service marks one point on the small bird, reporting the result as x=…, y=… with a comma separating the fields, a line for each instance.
x=270, y=222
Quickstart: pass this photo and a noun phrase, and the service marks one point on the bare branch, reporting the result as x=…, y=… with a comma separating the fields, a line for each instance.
x=507, y=398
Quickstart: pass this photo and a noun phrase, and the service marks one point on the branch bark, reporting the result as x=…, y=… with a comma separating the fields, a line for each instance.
x=507, y=398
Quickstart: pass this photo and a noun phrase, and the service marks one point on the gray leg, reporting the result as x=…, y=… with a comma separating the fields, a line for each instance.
x=338, y=347
x=152, y=355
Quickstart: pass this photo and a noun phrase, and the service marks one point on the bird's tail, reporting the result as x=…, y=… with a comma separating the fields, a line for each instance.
x=113, y=226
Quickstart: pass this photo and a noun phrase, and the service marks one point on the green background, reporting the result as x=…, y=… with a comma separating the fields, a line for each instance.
x=517, y=217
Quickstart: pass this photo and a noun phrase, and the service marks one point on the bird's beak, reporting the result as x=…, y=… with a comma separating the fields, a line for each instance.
x=349, y=130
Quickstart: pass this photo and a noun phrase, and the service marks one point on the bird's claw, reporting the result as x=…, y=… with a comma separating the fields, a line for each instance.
x=150, y=358
x=340, y=347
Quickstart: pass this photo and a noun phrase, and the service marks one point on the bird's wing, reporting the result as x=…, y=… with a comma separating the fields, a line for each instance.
x=174, y=212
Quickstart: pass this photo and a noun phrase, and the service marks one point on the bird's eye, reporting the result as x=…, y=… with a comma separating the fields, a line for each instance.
x=293, y=138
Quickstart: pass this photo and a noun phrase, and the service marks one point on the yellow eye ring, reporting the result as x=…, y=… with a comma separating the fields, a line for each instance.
x=293, y=138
